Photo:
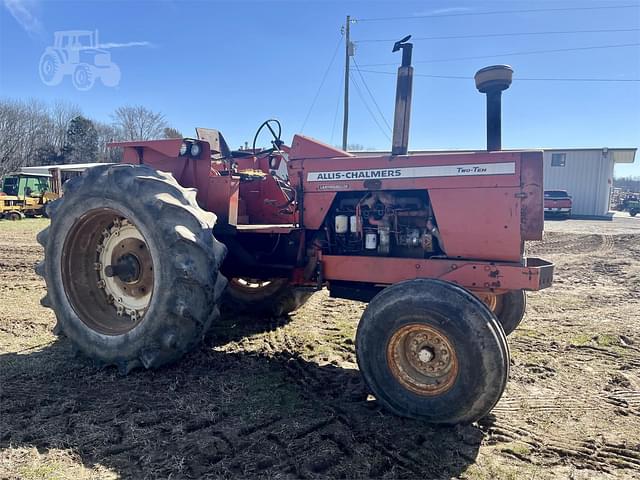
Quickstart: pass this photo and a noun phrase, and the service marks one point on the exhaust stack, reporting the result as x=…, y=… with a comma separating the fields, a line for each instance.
x=492, y=81
x=404, y=88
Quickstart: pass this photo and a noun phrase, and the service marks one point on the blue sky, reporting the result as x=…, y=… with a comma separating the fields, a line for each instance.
x=230, y=65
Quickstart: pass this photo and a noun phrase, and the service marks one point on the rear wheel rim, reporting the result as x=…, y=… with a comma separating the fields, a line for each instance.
x=422, y=359
x=493, y=301
x=111, y=290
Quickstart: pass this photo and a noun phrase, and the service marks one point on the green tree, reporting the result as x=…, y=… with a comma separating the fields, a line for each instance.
x=47, y=155
x=82, y=141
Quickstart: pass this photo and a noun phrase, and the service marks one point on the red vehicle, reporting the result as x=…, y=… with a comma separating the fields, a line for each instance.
x=138, y=255
x=557, y=202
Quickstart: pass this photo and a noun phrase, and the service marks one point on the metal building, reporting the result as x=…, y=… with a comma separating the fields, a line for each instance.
x=586, y=174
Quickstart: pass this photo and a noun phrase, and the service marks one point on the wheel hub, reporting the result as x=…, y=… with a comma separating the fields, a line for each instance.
x=422, y=359
x=125, y=269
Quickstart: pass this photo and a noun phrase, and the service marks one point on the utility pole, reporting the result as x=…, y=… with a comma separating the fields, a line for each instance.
x=348, y=52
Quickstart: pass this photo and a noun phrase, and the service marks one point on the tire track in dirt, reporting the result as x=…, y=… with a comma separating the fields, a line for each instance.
x=513, y=403
x=590, y=453
x=319, y=390
x=587, y=453
x=576, y=408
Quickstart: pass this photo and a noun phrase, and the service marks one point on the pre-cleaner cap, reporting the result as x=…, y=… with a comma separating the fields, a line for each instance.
x=494, y=77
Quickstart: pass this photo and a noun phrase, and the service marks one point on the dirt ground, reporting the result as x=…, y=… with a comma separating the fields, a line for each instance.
x=282, y=398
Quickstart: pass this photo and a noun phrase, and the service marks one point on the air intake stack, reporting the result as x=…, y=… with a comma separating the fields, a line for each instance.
x=402, y=117
x=492, y=81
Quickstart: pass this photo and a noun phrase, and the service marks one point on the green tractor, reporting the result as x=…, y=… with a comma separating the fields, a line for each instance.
x=631, y=204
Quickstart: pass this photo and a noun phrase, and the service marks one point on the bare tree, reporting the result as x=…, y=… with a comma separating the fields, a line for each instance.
x=61, y=114
x=170, y=132
x=107, y=134
x=35, y=133
x=25, y=128
x=139, y=123
x=629, y=184
x=11, y=116
x=35, y=127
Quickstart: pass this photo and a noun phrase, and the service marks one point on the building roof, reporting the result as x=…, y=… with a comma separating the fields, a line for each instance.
x=70, y=167
x=30, y=174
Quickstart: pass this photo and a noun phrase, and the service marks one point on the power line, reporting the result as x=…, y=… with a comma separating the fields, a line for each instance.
x=371, y=95
x=355, y=84
x=513, y=54
x=516, y=78
x=324, y=78
x=496, y=12
x=511, y=34
x=335, y=116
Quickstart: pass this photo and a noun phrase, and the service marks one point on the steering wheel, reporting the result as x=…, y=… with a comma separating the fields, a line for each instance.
x=276, y=142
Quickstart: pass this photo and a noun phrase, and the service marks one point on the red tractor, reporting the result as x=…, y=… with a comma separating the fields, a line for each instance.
x=141, y=258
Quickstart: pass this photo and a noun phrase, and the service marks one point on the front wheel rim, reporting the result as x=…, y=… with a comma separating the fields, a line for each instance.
x=422, y=359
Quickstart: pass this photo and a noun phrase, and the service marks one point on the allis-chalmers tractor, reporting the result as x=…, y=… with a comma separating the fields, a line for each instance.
x=142, y=257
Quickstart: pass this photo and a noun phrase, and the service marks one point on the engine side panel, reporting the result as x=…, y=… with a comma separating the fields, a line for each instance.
x=475, y=200
x=479, y=222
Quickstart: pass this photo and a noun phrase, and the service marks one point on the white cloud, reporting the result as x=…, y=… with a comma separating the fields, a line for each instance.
x=443, y=11
x=23, y=12
x=125, y=45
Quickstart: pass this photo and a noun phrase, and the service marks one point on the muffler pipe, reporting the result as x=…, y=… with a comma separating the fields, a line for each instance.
x=404, y=90
x=492, y=81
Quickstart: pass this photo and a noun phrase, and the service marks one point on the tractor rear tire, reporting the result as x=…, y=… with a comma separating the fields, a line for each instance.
x=131, y=267
x=512, y=309
x=50, y=68
x=273, y=298
x=509, y=308
x=634, y=212
x=429, y=349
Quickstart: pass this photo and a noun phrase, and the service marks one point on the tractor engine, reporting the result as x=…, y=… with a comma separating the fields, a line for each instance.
x=389, y=224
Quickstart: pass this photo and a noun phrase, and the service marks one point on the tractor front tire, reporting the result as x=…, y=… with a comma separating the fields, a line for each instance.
x=131, y=267
x=432, y=350
x=271, y=298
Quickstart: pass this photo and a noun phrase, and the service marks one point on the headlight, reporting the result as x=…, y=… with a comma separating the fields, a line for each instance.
x=183, y=149
x=195, y=150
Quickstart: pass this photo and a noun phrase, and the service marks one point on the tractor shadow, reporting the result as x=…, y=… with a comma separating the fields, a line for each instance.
x=240, y=414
